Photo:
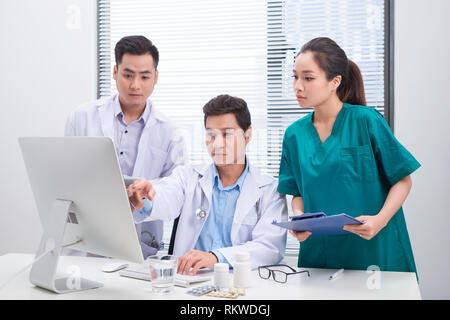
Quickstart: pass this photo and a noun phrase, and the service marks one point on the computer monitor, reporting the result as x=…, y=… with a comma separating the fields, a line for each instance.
x=82, y=203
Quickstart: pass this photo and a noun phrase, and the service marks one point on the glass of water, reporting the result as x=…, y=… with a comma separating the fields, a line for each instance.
x=162, y=270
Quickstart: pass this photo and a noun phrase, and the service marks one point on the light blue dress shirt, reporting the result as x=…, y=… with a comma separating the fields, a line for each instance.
x=216, y=232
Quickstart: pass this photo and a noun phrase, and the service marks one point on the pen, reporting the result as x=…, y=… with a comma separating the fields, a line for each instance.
x=336, y=274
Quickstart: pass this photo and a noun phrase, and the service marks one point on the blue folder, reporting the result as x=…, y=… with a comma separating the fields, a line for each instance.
x=319, y=223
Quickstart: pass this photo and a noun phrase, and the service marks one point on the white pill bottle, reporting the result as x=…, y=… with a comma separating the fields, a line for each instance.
x=242, y=270
x=221, y=276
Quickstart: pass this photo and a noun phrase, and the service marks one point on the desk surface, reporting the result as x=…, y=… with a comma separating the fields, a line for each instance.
x=351, y=285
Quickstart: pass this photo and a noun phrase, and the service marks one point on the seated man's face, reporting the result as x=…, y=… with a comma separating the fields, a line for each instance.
x=225, y=140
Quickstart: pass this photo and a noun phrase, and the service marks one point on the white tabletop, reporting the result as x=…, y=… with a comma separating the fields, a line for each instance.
x=351, y=285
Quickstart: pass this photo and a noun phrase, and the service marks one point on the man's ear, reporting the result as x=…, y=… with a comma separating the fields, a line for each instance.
x=248, y=135
x=115, y=72
x=156, y=77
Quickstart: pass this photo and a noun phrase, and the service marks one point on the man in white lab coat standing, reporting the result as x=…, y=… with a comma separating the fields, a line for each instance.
x=223, y=207
x=147, y=143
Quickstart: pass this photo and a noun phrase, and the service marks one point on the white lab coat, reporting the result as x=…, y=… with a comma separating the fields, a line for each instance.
x=161, y=147
x=190, y=188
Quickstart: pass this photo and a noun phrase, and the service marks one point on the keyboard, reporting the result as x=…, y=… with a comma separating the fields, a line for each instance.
x=138, y=271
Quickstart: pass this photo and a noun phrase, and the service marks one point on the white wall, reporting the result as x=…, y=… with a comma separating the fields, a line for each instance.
x=47, y=67
x=422, y=122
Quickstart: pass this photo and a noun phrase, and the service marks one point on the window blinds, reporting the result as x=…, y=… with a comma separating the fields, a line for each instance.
x=206, y=48
x=242, y=48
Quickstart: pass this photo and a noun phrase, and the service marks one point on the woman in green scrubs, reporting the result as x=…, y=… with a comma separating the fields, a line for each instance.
x=343, y=158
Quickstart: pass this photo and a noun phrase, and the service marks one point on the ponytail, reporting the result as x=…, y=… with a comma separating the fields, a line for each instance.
x=351, y=89
x=333, y=60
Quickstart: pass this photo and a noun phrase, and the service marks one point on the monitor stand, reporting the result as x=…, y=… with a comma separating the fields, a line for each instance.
x=44, y=271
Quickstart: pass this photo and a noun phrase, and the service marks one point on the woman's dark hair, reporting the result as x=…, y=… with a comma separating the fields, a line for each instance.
x=333, y=60
x=137, y=45
x=223, y=104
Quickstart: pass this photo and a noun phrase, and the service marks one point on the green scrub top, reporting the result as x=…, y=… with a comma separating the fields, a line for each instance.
x=351, y=172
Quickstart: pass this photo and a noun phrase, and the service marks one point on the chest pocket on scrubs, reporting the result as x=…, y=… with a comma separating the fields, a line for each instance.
x=357, y=164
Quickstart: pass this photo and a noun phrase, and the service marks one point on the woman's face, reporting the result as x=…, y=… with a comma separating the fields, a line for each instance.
x=311, y=85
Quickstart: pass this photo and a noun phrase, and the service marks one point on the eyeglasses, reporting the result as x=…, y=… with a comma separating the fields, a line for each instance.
x=277, y=275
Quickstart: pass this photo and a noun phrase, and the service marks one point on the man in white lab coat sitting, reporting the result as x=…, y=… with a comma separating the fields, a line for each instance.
x=146, y=141
x=223, y=207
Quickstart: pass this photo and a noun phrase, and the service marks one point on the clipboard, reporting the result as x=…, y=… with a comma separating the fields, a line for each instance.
x=319, y=223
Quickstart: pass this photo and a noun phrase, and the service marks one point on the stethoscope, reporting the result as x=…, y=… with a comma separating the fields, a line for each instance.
x=200, y=213
x=152, y=242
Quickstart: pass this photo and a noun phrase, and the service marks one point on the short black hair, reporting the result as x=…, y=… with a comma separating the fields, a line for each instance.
x=223, y=104
x=137, y=45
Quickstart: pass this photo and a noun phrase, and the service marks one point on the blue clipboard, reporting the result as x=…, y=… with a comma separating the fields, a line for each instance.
x=319, y=223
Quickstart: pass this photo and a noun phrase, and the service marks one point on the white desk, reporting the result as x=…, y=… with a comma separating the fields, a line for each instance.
x=351, y=285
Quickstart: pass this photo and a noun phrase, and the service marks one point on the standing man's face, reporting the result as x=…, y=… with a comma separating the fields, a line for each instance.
x=135, y=77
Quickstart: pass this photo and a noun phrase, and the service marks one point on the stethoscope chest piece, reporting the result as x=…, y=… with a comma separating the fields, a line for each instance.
x=200, y=214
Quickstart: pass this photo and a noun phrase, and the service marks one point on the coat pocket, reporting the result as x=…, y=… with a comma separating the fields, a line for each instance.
x=246, y=227
x=154, y=162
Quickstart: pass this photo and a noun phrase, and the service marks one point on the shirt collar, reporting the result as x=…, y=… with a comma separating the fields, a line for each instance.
x=118, y=110
x=238, y=183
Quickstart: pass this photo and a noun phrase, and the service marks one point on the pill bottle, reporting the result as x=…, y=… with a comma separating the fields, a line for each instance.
x=242, y=270
x=221, y=276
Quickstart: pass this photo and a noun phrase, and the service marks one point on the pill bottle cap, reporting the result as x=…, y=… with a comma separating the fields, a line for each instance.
x=242, y=256
x=221, y=267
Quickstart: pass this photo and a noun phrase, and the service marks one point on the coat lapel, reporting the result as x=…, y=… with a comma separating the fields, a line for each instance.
x=247, y=199
x=106, y=112
x=143, y=159
x=206, y=186
x=142, y=155
x=203, y=202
